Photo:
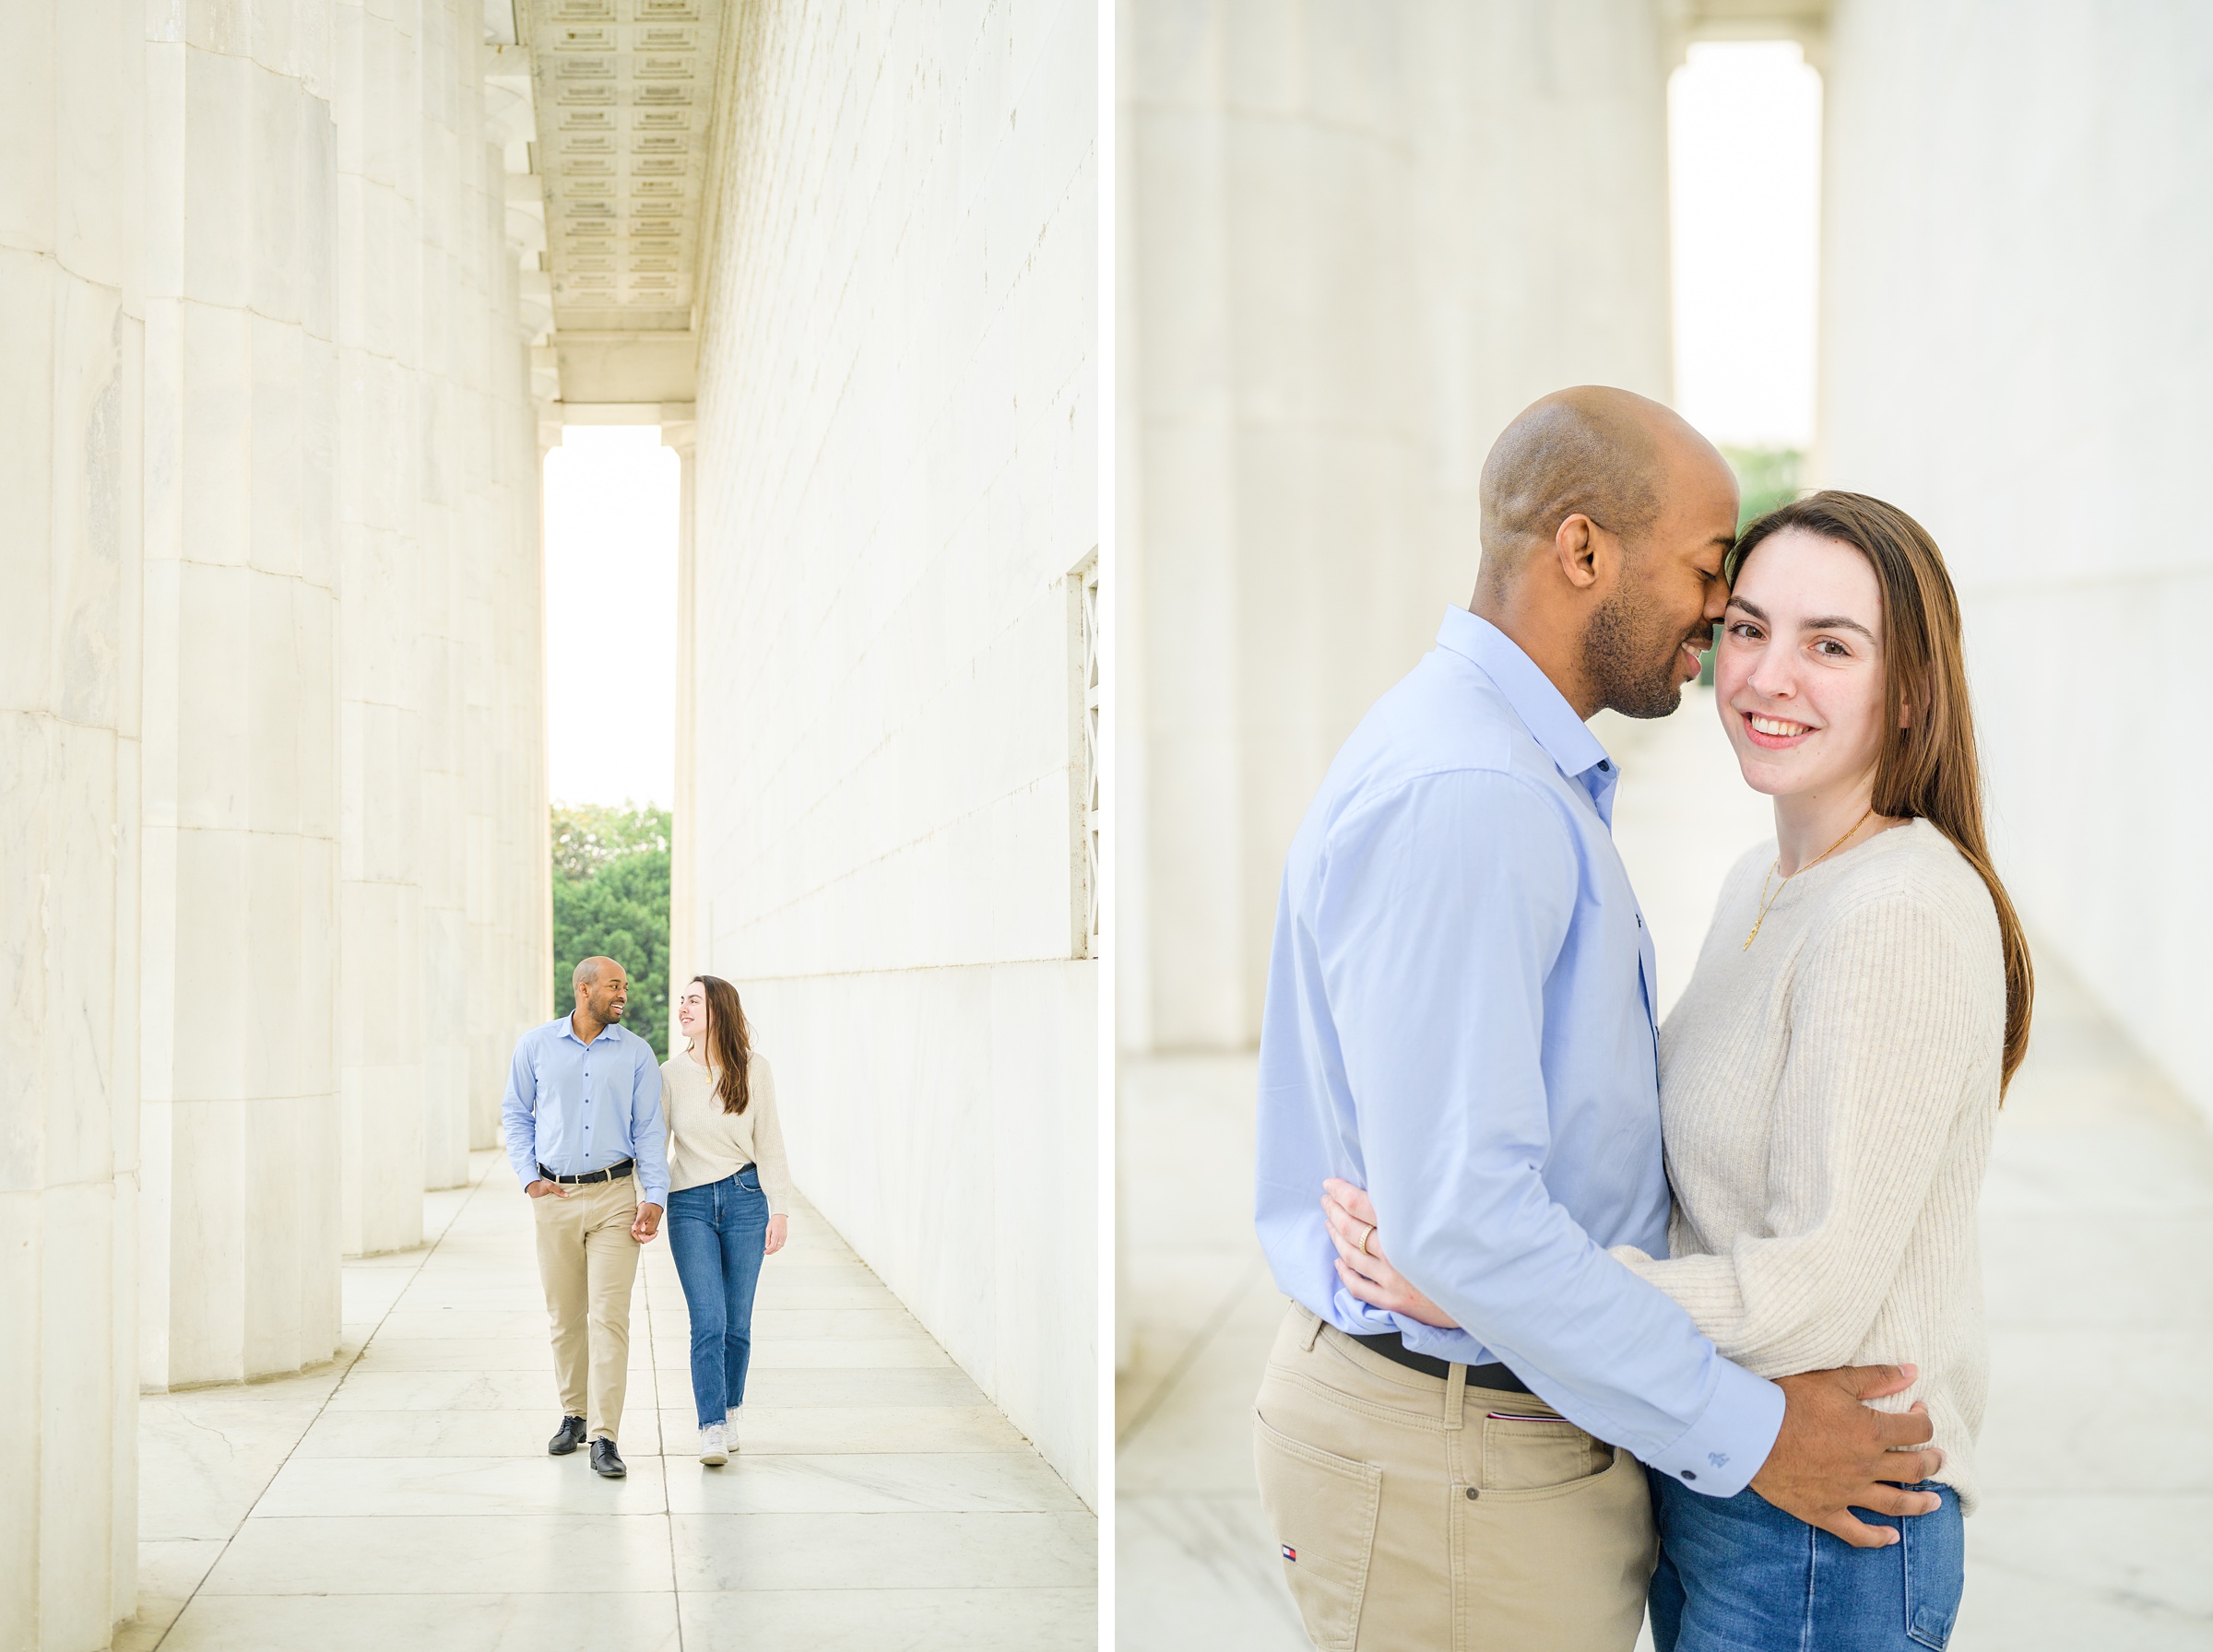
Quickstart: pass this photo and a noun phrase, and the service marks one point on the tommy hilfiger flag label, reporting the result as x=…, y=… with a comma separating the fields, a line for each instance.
x=1289, y=1552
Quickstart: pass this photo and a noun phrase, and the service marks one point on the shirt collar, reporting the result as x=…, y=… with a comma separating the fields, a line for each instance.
x=1542, y=709
x=568, y=1030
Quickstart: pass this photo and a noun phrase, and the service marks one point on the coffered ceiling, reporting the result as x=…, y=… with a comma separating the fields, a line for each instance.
x=625, y=97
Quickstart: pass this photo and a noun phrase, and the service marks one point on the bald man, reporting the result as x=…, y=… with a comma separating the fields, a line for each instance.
x=588, y=1142
x=1460, y=1019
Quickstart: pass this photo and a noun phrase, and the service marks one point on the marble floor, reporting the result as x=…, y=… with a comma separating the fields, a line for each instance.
x=403, y=1496
x=2097, y=1221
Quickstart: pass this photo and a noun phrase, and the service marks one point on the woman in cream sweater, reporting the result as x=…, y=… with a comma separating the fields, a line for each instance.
x=729, y=1195
x=1830, y=1078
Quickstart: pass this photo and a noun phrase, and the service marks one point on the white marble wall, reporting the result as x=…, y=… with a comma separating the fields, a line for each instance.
x=895, y=476
x=240, y=868
x=1354, y=241
x=72, y=351
x=2016, y=245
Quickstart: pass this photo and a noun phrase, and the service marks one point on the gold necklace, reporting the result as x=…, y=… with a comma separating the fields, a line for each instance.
x=1767, y=902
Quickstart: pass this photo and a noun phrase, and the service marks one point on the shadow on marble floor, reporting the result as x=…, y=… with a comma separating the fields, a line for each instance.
x=2097, y=1226
x=402, y=1495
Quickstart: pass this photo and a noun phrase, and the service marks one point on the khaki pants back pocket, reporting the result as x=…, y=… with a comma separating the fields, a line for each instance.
x=1322, y=1510
x=1529, y=1454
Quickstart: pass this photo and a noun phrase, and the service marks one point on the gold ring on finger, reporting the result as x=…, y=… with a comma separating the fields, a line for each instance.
x=1365, y=1238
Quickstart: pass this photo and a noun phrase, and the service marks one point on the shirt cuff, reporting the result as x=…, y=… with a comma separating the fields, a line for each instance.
x=1723, y=1450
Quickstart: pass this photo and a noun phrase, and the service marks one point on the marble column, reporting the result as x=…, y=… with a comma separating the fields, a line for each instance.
x=454, y=445
x=685, y=958
x=380, y=453
x=510, y=914
x=1358, y=240
x=240, y=848
x=72, y=342
x=495, y=357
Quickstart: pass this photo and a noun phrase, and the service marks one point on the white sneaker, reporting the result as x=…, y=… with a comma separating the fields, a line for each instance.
x=711, y=1451
x=730, y=1430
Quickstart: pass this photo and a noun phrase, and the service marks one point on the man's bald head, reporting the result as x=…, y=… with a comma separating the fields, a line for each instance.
x=1605, y=522
x=587, y=974
x=602, y=989
x=1591, y=451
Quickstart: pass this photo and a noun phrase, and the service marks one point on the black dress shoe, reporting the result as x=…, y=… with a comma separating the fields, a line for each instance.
x=606, y=1461
x=568, y=1439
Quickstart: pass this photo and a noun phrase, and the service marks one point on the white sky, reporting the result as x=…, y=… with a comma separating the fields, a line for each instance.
x=610, y=615
x=1745, y=152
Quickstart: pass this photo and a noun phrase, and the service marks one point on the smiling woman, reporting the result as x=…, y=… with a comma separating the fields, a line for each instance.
x=1843, y=637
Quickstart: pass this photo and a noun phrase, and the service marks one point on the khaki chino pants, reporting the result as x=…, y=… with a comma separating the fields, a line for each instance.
x=588, y=1262
x=1419, y=1515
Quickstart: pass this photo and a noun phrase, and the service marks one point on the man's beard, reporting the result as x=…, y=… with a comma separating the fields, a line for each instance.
x=1631, y=656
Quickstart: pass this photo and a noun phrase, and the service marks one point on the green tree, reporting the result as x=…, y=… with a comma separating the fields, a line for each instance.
x=610, y=898
x=1766, y=477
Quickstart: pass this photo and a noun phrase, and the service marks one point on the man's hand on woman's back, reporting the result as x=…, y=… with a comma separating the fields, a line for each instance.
x=1836, y=1453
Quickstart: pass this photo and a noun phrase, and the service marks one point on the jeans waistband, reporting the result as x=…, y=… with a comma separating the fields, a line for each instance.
x=710, y=1187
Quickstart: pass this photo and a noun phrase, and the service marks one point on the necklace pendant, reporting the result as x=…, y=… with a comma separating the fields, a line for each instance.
x=1753, y=937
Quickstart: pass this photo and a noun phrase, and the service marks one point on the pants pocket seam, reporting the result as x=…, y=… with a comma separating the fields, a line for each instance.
x=1369, y=1478
x=1622, y=1462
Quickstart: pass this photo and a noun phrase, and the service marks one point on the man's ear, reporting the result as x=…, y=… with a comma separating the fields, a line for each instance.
x=1576, y=543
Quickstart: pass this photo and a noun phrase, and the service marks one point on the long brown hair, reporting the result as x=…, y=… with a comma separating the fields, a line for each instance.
x=729, y=1041
x=1927, y=767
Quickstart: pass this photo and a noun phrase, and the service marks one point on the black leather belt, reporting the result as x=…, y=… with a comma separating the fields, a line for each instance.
x=608, y=1175
x=1390, y=1347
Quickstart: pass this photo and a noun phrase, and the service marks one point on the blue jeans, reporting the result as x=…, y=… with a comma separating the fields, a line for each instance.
x=1738, y=1575
x=716, y=1234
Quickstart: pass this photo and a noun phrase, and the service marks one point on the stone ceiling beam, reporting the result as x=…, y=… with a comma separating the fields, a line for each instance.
x=623, y=94
x=1685, y=22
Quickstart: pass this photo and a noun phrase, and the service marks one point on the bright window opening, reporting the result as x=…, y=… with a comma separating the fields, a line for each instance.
x=1745, y=151
x=612, y=495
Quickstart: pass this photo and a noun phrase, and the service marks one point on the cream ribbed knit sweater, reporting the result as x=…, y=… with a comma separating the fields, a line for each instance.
x=1826, y=1098
x=706, y=1144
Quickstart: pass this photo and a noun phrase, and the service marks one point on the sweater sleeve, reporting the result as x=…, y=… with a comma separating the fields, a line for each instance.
x=768, y=1139
x=1890, y=1022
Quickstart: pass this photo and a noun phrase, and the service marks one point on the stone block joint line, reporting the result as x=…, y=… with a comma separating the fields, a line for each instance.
x=411, y=1494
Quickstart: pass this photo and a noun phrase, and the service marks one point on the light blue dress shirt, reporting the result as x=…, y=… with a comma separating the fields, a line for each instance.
x=576, y=1107
x=1460, y=1019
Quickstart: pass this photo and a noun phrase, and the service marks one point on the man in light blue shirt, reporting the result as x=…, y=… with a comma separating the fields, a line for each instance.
x=586, y=1136
x=1460, y=1019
